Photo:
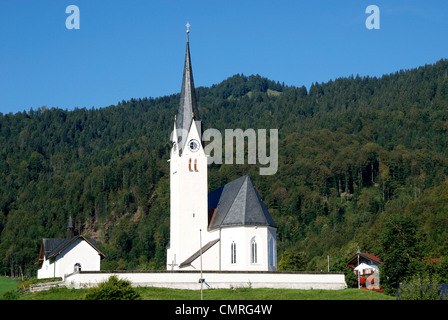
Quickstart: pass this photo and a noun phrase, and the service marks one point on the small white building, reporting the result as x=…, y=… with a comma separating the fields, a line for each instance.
x=59, y=257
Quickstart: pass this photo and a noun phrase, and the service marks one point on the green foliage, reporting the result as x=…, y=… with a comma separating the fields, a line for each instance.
x=292, y=261
x=400, y=250
x=113, y=289
x=10, y=295
x=350, y=277
x=420, y=288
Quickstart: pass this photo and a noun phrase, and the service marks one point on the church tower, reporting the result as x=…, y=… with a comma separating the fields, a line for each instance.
x=188, y=175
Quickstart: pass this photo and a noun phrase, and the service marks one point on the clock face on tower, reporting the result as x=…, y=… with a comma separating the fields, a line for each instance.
x=193, y=145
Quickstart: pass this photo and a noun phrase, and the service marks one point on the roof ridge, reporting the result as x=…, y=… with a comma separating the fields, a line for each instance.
x=66, y=242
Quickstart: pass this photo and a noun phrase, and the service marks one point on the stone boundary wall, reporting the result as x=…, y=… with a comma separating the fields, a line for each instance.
x=215, y=279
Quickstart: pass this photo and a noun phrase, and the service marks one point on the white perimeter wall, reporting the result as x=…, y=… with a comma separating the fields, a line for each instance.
x=216, y=279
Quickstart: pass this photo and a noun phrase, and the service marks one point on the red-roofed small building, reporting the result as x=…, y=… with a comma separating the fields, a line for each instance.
x=366, y=267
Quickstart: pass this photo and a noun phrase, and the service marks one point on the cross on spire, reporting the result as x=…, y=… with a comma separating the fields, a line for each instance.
x=188, y=27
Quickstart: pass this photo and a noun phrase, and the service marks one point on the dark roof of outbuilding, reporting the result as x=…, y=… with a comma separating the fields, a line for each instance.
x=53, y=246
x=238, y=203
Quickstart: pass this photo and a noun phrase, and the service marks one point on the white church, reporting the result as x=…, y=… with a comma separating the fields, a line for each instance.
x=226, y=229
x=227, y=233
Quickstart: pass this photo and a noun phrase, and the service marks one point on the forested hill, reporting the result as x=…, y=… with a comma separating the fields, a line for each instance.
x=352, y=152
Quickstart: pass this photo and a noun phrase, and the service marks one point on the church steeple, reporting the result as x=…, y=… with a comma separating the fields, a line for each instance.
x=188, y=175
x=188, y=109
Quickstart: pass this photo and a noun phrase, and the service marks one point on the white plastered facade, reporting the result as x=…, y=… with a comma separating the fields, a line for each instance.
x=78, y=254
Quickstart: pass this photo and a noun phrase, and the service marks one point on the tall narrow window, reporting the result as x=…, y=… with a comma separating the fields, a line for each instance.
x=271, y=252
x=195, y=164
x=253, y=251
x=189, y=164
x=233, y=253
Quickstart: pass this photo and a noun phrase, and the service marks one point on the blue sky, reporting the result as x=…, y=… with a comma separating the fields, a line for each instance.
x=135, y=48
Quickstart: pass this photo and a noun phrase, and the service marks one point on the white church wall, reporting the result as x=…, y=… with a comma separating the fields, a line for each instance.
x=46, y=270
x=78, y=252
x=210, y=259
x=241, y=239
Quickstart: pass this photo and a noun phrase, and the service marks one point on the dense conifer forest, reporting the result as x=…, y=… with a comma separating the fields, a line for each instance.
x=355, y=155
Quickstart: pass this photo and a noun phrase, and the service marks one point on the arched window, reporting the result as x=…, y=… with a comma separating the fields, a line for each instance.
x=189, y=164
x=253, y=251
x=77, y=267
x=196, y=165
x=233, y=253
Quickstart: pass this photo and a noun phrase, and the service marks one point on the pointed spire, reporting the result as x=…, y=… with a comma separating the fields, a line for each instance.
x=188, y=109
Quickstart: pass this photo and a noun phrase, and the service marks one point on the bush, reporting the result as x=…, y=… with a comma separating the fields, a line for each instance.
x=113, y=289
x=420, y=288
x=292, y=261
x=10, y=295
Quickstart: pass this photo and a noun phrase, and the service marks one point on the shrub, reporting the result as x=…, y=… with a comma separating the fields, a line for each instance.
x=292, y=261
x=420, y=288
x=10, y=295
x=113, y=289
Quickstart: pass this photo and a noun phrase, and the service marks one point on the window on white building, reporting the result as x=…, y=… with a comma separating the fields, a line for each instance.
x=253, y=251
x=233, y=253
x=271, y=252
x=77, y=267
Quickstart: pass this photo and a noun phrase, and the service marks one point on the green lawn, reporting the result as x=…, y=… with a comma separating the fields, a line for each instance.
x=150, y=293
x=262, y=294
x=7, y=284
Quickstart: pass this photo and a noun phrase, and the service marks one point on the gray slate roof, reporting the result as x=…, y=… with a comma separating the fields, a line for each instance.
x=53, y=246
x=238, y=203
